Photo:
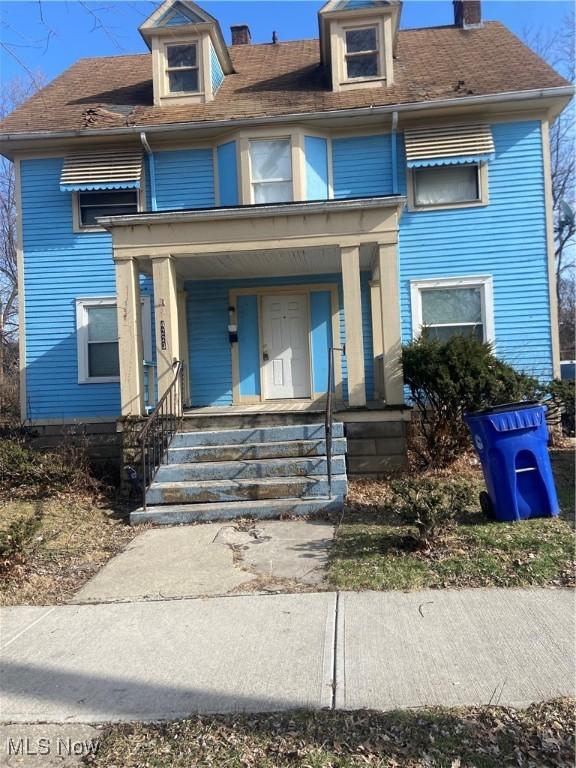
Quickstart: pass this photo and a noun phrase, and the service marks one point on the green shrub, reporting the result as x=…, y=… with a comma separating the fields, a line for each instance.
x=431, y=505
x=562, y=394
x=447, y=379
x=36, y=473
x=17, y=541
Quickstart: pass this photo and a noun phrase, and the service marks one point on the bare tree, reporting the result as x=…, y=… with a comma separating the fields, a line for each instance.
x=558, y=49
x=13, y=93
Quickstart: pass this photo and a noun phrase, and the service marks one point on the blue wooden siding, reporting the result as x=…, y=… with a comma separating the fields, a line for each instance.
x=248, y=345
x=316, y=153
x=210, y=356
x=59, y=267
x=227, y=173
x=321, y=333
x=216, y=73
x=184, y=179
x=506, y=239
x=362, y=166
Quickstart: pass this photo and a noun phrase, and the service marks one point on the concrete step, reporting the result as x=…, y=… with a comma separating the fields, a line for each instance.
x=253, y=451
x=194, y=421
x=206, y=491
x=175, y=514
x=259, y=468
x=256, y=435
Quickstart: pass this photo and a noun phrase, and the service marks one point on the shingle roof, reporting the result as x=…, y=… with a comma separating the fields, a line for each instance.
x=286, y=78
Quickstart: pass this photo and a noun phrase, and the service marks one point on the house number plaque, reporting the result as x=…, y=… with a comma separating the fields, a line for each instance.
x=162, y=334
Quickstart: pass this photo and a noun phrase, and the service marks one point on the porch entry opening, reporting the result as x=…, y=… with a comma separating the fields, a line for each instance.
x=286, y=346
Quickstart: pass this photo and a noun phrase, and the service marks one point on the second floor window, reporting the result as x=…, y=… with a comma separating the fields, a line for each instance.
x=91, y=205
x=271, y=170
x=446, y=185
x=362, y=53
x=182, y=68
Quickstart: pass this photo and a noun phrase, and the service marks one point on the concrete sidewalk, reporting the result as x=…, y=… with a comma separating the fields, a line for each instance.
x=166, y=659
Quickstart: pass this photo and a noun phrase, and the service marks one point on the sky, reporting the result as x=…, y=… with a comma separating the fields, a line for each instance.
x=47, y=36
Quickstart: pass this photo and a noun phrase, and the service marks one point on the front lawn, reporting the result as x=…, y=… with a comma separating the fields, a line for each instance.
x=76, y=537
x=480, y=737
x=374, y=549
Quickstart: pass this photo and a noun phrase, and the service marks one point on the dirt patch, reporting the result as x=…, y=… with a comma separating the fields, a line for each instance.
x=76, y=538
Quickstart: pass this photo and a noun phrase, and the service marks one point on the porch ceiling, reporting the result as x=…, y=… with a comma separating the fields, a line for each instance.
x=272, y=263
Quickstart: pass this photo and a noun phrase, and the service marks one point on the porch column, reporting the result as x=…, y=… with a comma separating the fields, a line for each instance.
x=350, y=257
x=166, y=319
x=130, y=346
x=391, y=333
x=376, y=316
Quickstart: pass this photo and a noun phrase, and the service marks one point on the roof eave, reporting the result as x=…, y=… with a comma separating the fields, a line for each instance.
x=558, y=98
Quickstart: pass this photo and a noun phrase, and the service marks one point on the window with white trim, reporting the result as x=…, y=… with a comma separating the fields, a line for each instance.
x=447, y=185
x=446, y=307
x=362, y=52
x=271, y=170
x=182, y=68
x=97, y=337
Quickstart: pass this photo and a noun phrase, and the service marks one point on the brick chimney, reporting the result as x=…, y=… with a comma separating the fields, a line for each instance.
x=467, y=13
x=240, y=34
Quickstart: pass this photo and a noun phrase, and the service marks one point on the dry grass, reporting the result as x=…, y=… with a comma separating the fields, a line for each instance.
x=474, y=737
x=372, y=548
x=76, y=538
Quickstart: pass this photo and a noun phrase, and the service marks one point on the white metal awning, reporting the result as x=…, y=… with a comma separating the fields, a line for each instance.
x=448, y=145
x=121, y=169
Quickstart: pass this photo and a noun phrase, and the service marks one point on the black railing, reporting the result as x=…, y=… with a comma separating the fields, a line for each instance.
x=329, y=415
x=160, y=428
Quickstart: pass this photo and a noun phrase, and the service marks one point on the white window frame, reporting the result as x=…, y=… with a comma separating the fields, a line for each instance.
x=253, y=140
x=166, y=68
x=484, y=282
x=376, y=52
x=483, y=197
x=82, y=305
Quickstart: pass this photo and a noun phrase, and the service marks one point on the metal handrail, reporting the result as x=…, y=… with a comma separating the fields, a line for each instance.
x=329, y=415
x=160, y=428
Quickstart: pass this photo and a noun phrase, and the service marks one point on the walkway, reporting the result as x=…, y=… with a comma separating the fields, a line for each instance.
x=170, y=658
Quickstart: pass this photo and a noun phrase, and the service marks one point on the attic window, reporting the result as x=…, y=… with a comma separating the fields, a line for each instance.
x=362, y=53
x=182, y=68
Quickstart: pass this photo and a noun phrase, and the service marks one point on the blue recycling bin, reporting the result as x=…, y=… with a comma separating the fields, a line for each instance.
x=512, y=443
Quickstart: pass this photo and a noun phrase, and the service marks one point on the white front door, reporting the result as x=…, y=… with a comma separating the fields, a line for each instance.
x=285, y=349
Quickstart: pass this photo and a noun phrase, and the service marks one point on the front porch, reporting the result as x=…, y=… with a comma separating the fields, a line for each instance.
x=251, y=299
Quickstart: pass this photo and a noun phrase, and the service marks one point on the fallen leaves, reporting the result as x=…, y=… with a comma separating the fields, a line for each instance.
x=541, y=736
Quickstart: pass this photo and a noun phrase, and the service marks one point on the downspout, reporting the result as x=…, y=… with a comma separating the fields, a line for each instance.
x=394, y=153
x=152, y=169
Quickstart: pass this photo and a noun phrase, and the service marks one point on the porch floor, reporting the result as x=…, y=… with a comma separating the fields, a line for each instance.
x=276, y=406
x=287, y=406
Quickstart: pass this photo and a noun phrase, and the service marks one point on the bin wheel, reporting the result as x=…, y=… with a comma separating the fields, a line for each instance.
x=486, y=505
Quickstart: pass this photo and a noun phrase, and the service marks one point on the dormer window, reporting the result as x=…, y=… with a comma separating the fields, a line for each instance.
x=182, y=68
x=362, y=53
x=189, y=56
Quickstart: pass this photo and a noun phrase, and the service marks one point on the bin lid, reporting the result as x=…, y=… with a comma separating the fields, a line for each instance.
x=528, y=416
x=505, y=407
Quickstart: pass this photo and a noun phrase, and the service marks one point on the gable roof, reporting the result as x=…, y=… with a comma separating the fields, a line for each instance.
x=437, y=63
